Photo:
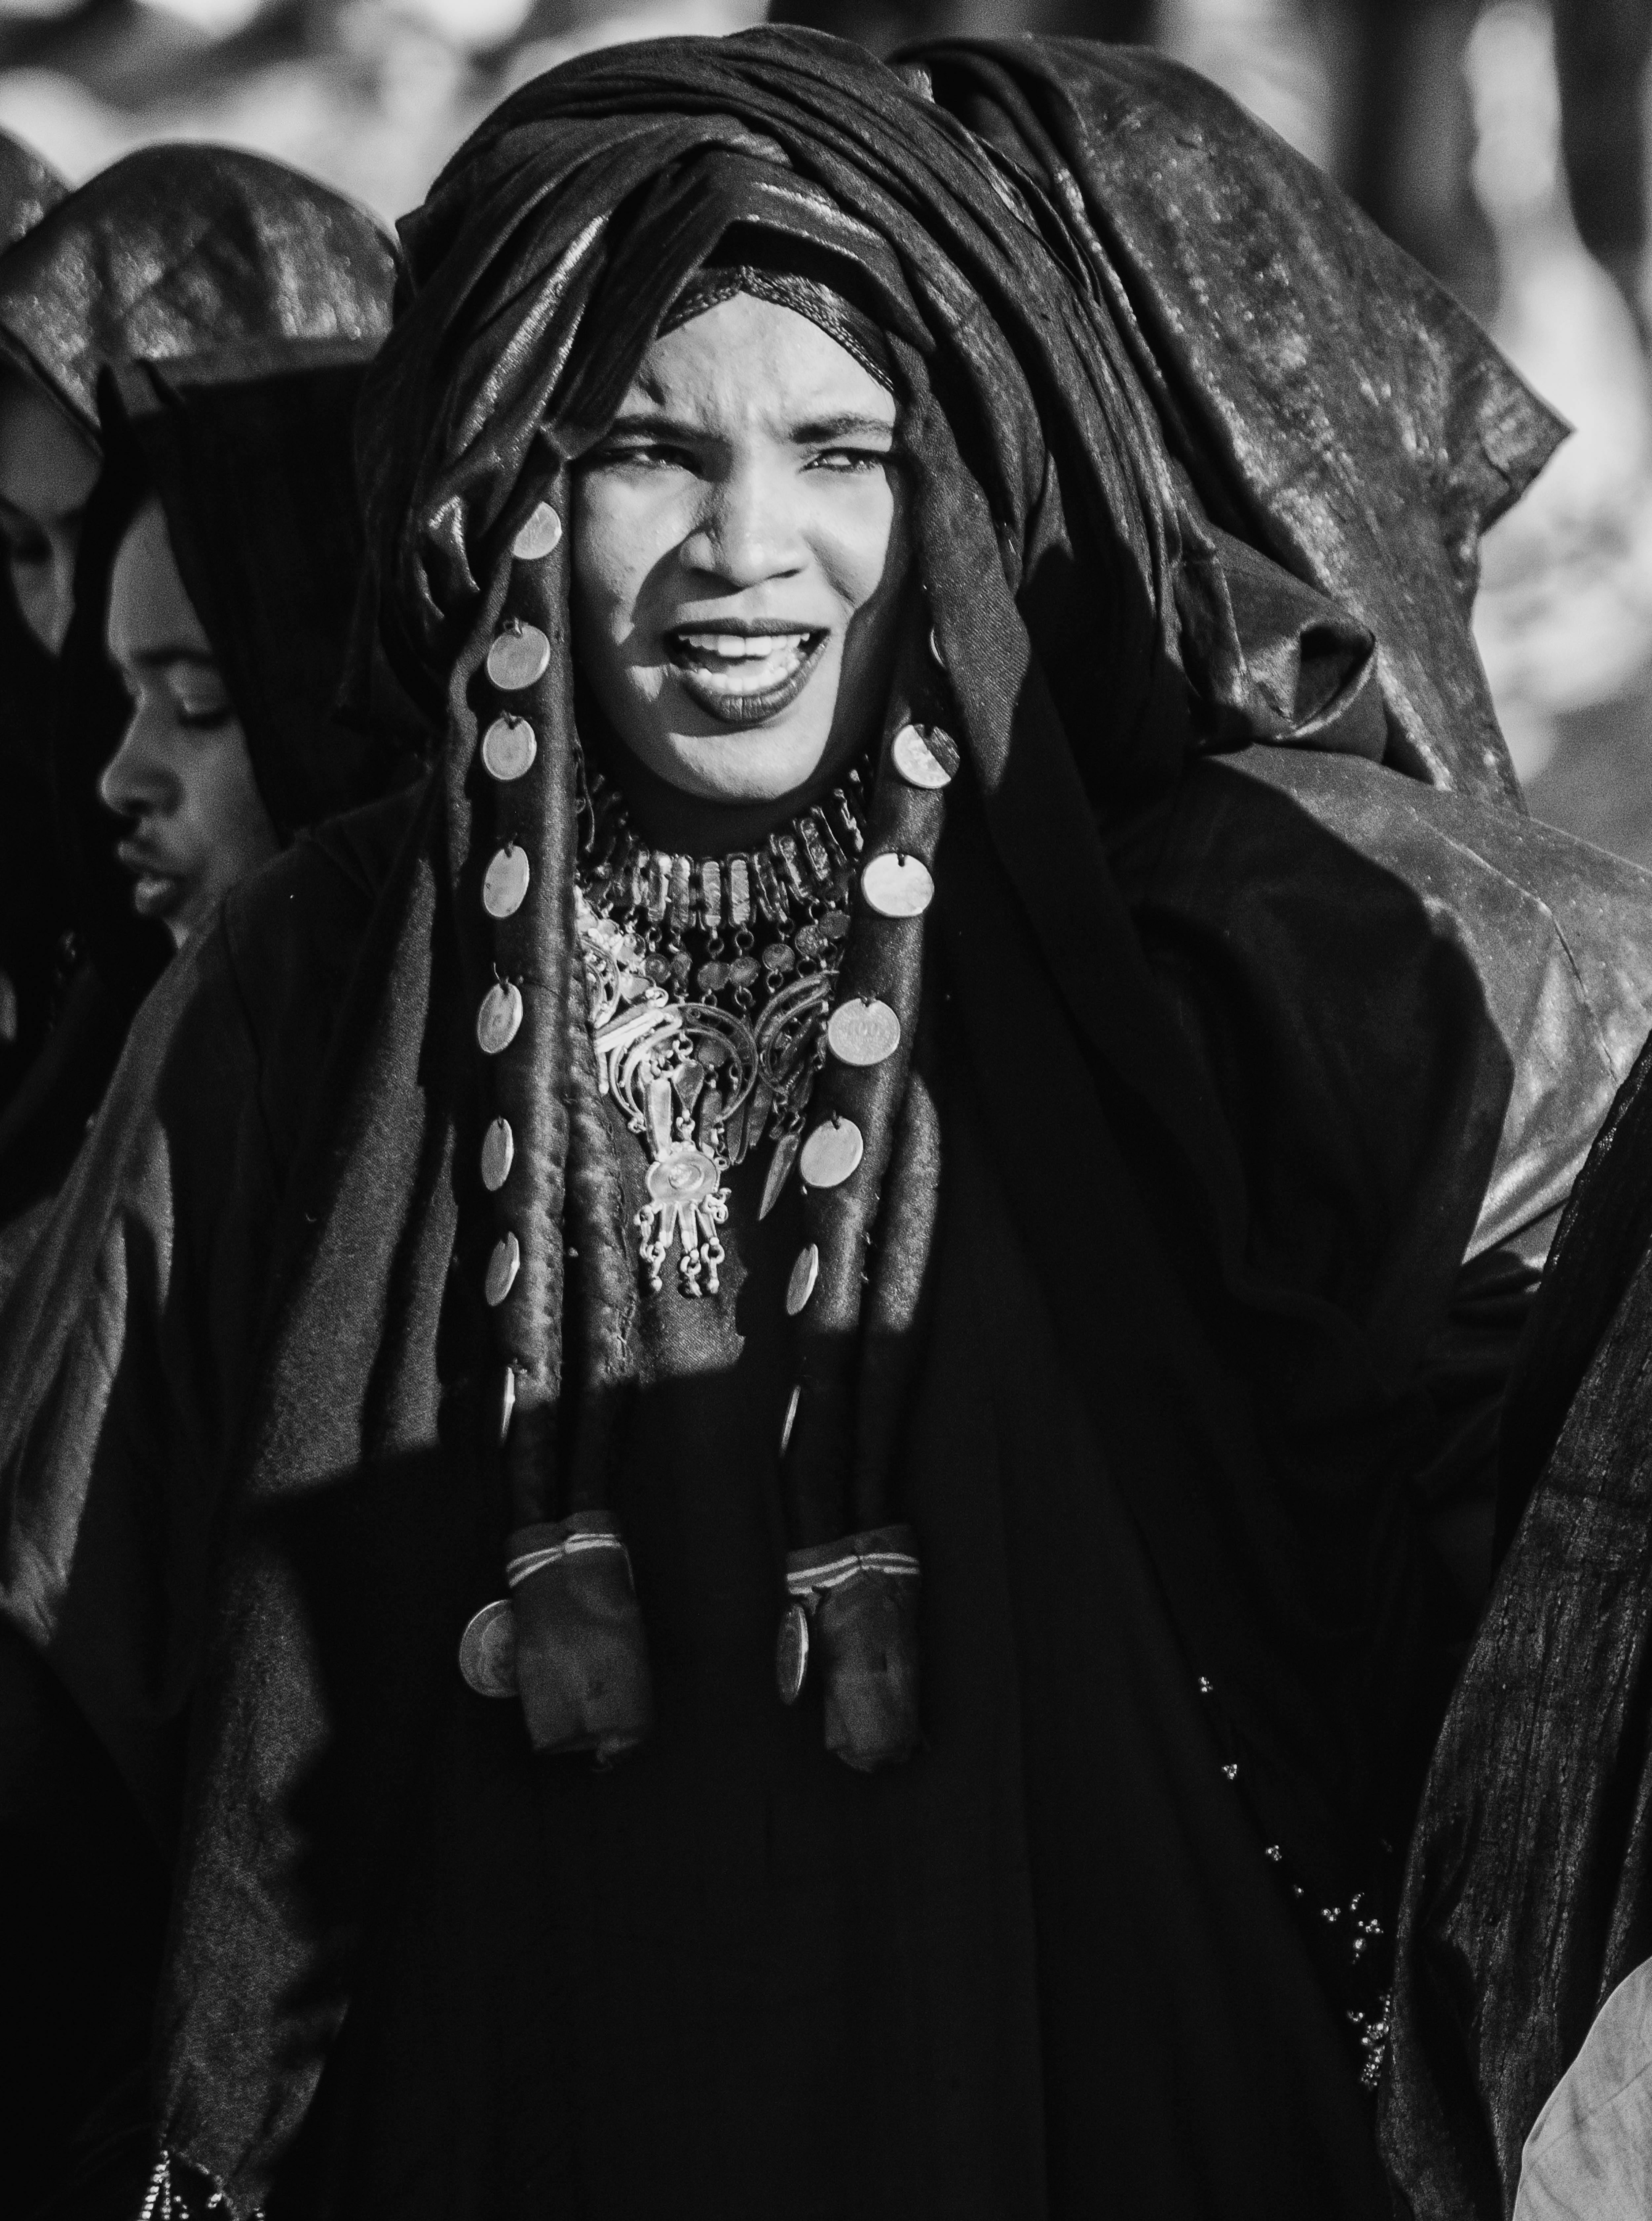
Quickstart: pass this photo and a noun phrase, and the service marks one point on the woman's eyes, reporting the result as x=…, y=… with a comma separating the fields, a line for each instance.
x=658, y=456
x=30, y=548
x=651, y=454
x=206, y=719
x=846, y=459
x=191, y=710
x=200, y=701
x=25, y=542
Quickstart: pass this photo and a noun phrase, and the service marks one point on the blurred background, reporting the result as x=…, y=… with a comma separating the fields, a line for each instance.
x=1504, y=142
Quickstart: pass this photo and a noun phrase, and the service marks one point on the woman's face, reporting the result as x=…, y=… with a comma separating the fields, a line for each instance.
x=739, y=554
x=181, y=775
x=47, y=470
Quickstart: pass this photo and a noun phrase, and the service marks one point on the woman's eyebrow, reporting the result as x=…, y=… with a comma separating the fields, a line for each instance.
x=654, y=425
x=819, y=429
x=815, y=431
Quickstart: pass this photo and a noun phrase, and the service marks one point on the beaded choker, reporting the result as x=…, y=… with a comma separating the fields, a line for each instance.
x=710, y=982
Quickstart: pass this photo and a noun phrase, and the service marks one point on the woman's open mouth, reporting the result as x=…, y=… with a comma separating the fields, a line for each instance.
x=746, y=675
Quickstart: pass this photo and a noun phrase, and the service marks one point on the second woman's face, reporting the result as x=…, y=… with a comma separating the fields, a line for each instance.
x=739, y=553
x=181, y=776
x=47, y=470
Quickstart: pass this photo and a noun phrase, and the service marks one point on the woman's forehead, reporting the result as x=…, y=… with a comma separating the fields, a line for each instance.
x=753, y=363
x=151, y=617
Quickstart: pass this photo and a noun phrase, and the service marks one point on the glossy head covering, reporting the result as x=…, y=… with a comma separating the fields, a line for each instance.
x=1194, y=457
x=180, y=253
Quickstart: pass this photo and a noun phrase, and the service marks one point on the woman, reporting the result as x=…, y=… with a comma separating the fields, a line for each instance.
x=170, y=252
x=842, y=1146
x=221, y=554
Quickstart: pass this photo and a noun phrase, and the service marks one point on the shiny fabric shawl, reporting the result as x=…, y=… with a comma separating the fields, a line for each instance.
x=177, y=250
x=1099, y=625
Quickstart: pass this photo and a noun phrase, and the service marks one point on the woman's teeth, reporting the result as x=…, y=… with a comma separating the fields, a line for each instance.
x=752, y=660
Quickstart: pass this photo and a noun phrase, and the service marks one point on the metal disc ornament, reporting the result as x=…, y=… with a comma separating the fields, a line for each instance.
x=862, y=1032
x=791, y=1654
x=541, y=533
x=897, y=885
x=500, y=1015
x=507, y=1403
x=509, y=748
x=684, y=1175
x=487, y=1651
x=499, y=1154
x=502, y=1269
x=520, y=656
x=831, y=1153
x=801, y=1286
x=919, y=756
x=505, y=882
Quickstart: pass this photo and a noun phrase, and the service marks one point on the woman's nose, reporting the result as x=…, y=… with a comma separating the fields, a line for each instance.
x=136, y=778
x=746, y=531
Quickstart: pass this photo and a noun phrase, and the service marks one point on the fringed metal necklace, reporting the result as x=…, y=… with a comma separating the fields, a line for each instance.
x=709, y=1035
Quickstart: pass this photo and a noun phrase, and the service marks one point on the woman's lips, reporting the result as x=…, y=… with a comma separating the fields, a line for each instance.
x=744, y=677
x=154, y=893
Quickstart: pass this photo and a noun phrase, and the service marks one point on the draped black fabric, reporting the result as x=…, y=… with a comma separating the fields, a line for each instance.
x=185, y=255
x=179, y=250
x=1528, y=1893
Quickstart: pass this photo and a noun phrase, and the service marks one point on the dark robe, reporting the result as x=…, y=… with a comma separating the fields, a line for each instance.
x=974, y=1992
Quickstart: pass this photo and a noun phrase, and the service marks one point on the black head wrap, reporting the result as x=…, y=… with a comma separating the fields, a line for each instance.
x=1194, y=457
x=179, y=250
x=177, y=255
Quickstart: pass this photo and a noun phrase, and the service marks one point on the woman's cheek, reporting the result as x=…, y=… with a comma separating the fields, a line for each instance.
x=855, y=544
x=617, y=539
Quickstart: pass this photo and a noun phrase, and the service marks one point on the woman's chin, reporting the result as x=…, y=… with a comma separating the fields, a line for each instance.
x=756, y=768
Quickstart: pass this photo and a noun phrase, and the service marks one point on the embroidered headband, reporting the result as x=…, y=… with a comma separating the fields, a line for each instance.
x=824, y=304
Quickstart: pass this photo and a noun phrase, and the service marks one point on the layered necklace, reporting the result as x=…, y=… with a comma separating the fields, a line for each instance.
x=710, y=985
